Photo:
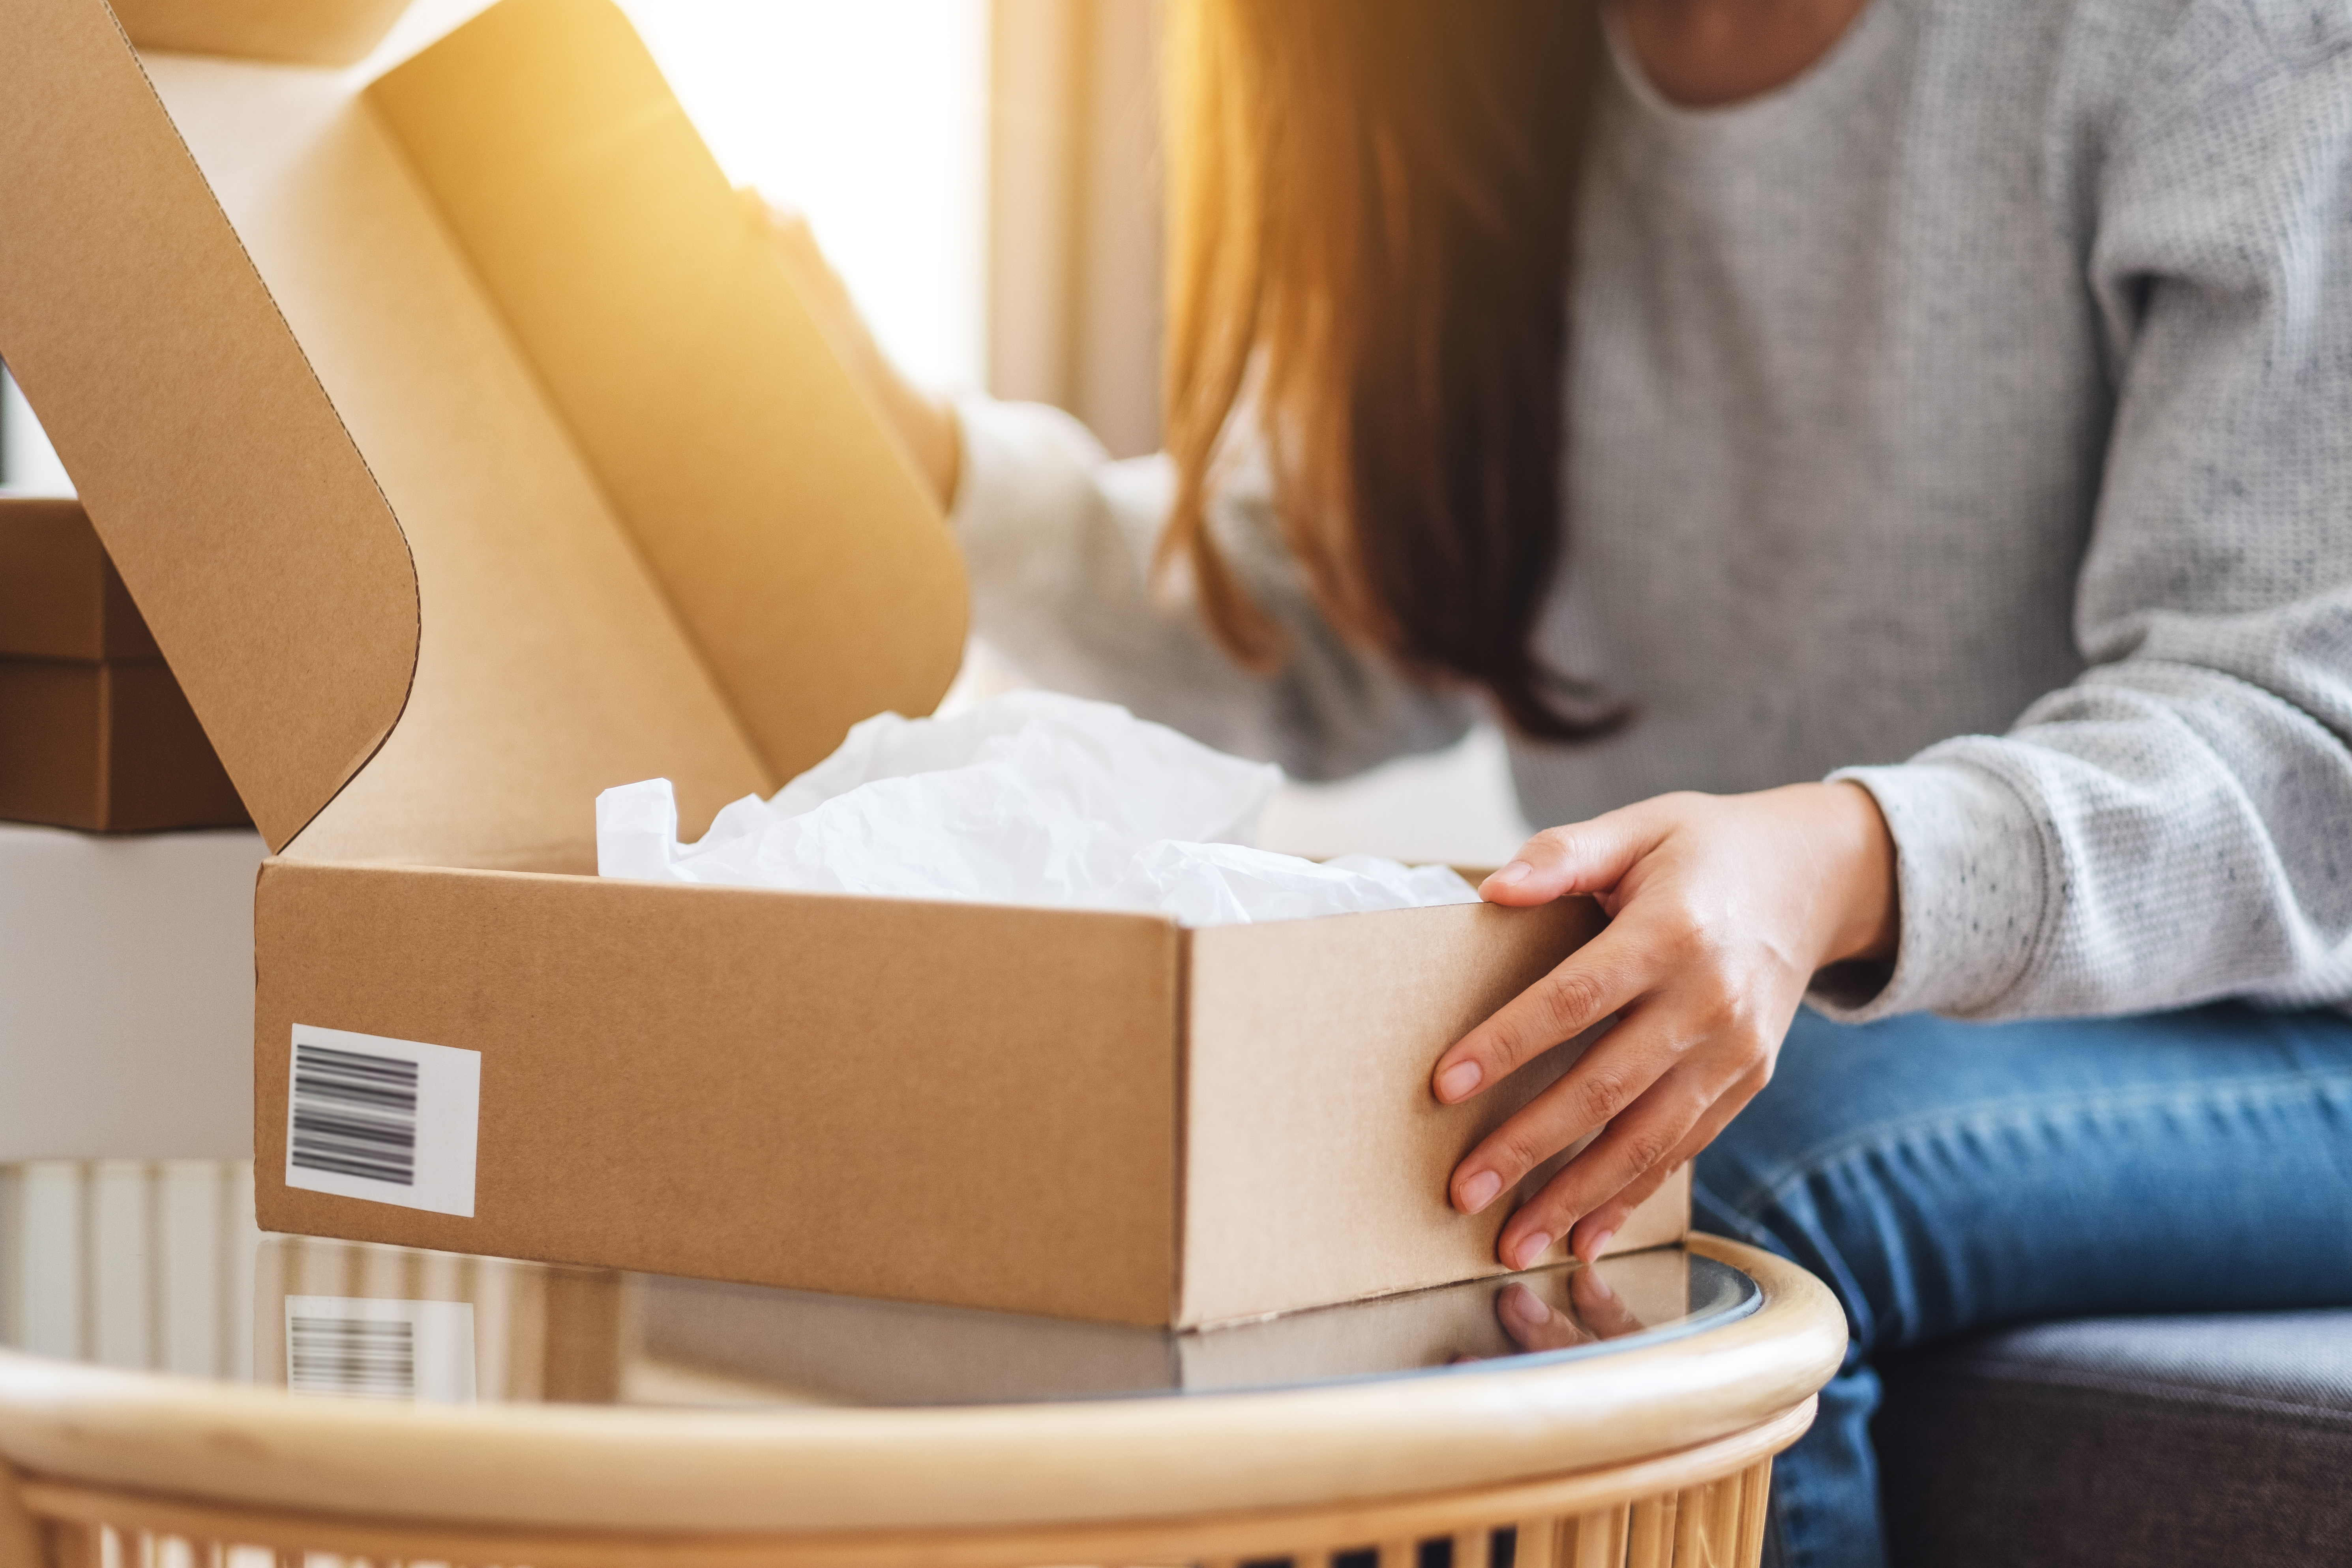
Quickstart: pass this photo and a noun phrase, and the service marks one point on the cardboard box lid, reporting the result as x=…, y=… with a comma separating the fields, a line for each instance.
x=60, y=598
x=227, y=493
x=465, y=445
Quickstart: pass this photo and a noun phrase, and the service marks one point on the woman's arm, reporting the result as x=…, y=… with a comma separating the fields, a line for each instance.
x=2173, y=826
x=1059, y=541
x=2176, y=824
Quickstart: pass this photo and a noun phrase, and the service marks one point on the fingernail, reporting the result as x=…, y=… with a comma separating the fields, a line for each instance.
x=1480, y=1190
x=1458, y=1080
x=1532, y=1248
x=1524, y=1306
x=1598, y=1245
x=1516, y=871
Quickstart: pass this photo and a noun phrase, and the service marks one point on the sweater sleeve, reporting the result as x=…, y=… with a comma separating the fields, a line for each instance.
x=2176, y=824
x=1059, y=540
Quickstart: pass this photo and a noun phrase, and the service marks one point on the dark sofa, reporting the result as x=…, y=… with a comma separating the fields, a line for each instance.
x=2221, y=1439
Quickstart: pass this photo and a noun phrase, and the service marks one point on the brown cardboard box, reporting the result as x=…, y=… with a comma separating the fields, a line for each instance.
x=94, y=732
x=504, y=466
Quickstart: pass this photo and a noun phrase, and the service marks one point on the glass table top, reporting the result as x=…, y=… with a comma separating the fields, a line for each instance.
x=157, y=1264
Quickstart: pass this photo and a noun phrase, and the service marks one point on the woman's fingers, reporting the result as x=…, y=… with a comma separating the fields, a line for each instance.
x=1721, y=910
x=1601, y=977
x=1591, y=1237
x=1615, y=1072
x=1582, y=857
x=1647, y=1139
x=920, y=421
x=1628, y=1146
x=794, y=242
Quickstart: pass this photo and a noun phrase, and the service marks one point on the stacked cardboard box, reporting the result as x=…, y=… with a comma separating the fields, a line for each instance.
x=94, y=732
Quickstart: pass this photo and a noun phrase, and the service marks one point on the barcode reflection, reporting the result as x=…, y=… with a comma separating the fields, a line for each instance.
x=371, y=1359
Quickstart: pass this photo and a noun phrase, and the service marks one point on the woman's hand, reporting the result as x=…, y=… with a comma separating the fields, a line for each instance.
x=1722, y=907
x=921, y=420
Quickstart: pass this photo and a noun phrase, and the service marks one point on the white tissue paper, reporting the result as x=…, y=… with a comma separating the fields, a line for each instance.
x=1031, y=798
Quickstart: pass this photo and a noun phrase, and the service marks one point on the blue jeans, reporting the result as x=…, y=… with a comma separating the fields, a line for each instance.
x=1942, y=1177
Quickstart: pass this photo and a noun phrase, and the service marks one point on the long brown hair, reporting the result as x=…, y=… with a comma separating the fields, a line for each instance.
x=1372, y=218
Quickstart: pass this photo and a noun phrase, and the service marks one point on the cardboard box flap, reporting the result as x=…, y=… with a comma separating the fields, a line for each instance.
x=230, y=497
x=772, y=573
x=548, y=666
x=657, y=531
x=299, y=32
x=812, y=571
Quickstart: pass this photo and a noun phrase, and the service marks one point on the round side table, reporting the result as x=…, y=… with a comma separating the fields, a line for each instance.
x=374, y=1403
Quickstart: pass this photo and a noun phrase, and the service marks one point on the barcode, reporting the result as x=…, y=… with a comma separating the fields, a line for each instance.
x=373, y=1358
x=381, y=1348
x=354, y=1114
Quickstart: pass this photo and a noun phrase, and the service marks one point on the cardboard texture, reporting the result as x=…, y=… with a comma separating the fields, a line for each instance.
x=704, y=390
x=229, y=495
x=469, y=454
x=94, y=732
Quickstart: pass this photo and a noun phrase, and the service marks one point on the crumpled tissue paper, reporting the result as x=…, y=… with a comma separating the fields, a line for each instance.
x=1030, y=798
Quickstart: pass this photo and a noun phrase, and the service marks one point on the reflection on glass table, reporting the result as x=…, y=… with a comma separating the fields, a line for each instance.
x=157, y=1265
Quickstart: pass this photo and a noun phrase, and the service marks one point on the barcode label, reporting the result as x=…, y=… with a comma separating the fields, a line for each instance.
x=390, y=1121
x=370, y=1349
x=355, y=1113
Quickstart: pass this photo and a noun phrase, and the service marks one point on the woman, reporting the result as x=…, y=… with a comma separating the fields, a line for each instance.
x=1949, y=401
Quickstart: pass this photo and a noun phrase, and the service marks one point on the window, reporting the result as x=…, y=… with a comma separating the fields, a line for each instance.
x=873, y=119
x=27, y=464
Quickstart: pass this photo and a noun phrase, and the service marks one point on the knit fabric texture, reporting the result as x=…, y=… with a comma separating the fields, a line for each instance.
x=1971, y=417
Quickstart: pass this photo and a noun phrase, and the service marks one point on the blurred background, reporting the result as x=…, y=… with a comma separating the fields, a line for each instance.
x=985, y=176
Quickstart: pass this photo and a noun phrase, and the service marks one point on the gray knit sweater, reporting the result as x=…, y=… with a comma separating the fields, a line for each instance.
x=1971, y=417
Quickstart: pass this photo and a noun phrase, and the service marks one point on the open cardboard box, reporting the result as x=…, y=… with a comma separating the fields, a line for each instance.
x=468, y=453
